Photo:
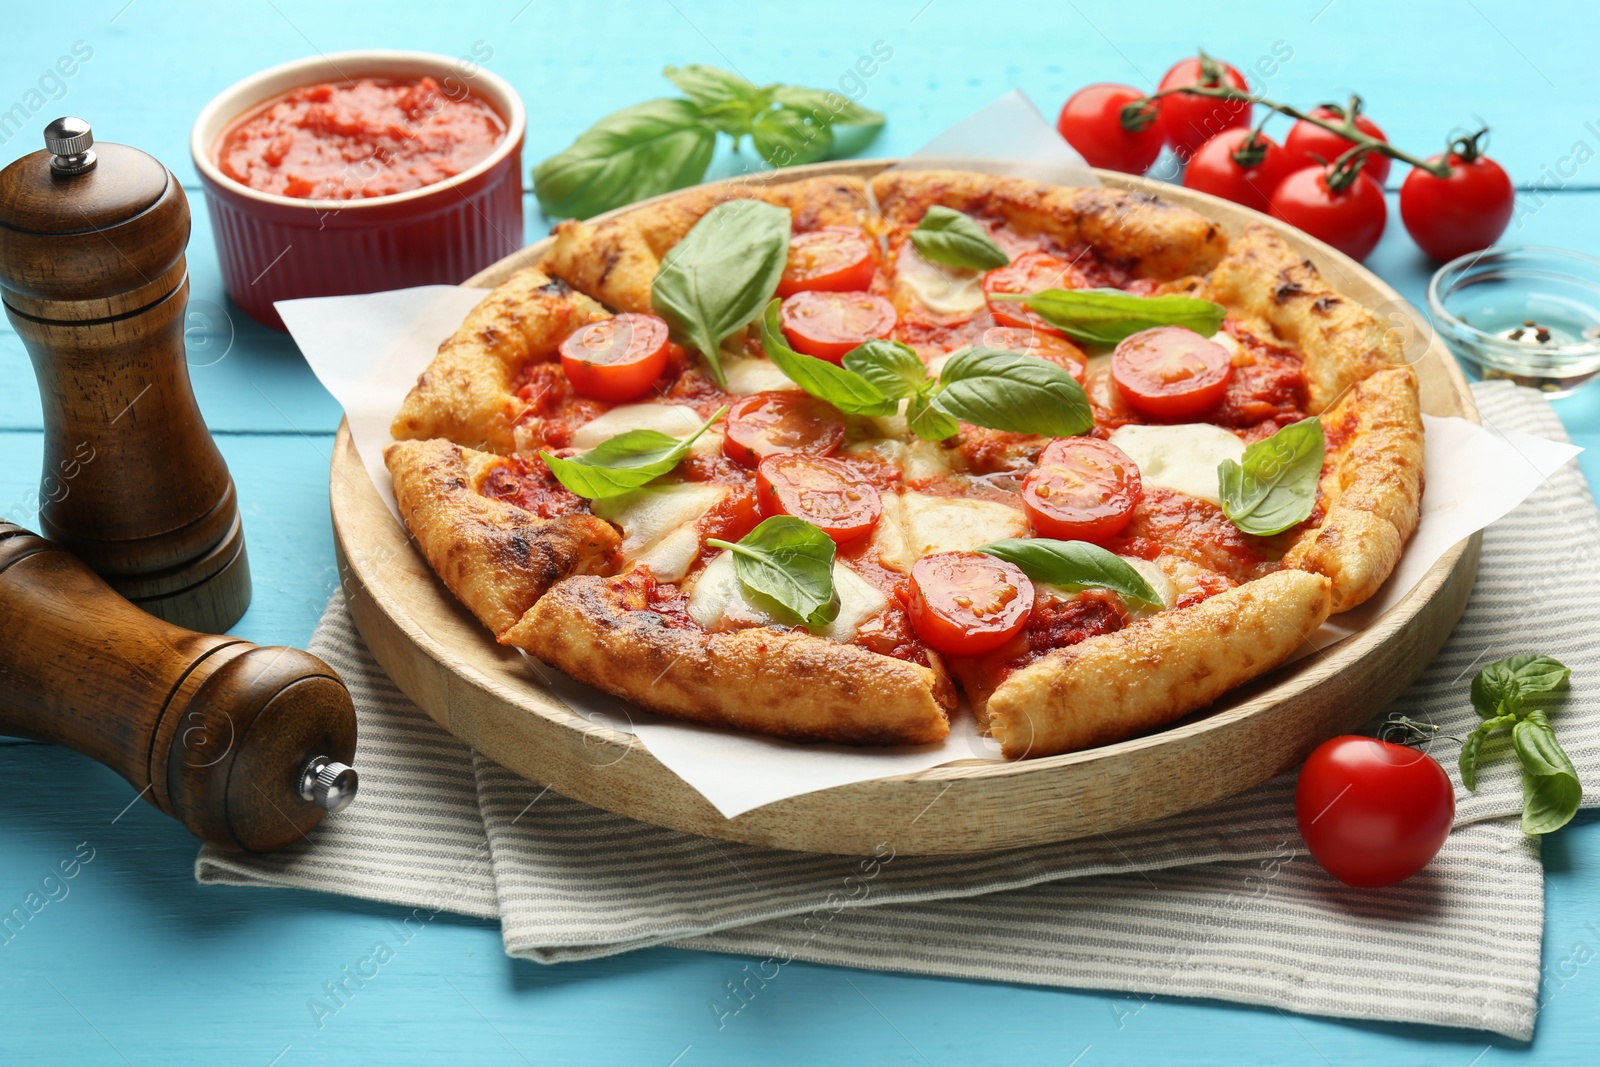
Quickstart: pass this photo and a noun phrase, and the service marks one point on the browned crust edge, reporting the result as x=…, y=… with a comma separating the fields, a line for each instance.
x=1117, y=685
x=781, y=683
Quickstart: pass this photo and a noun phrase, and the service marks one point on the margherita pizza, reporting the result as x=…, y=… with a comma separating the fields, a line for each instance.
x=807, y=459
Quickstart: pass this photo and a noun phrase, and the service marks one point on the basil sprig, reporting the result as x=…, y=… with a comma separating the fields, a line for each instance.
x=1274, y=487
x=1075, y=565
x=989, y=387
x=1106, y=316
x=717, y=279
x=789, y=562
x=952, y=238
x=1551, y=791
x=667, y=144
x=623, y=462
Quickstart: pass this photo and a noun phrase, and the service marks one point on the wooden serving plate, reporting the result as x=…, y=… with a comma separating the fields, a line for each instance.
x=486, y=695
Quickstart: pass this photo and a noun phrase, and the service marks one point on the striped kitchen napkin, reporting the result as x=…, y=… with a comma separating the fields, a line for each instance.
x=1221, y=902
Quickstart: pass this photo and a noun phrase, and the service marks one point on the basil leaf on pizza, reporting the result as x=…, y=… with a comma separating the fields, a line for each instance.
x=638, y=152
x=894, y=369
x=952, y=238
x=1075, y=565
x=718, y=278
x=1012, y=392
x=846, y=390
x=790, y=562
x=1106, y=316
x=928, y=422
x=1274, y=486
x=623, y=462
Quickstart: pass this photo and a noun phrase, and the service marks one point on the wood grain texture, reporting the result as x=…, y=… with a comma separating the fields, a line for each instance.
x=442, y=658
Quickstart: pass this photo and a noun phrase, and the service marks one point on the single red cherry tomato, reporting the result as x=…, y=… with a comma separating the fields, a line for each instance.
x=1083, y=489
x=1050, y=346
x=1468, y=211
x=616, y=359
x=827, y=493
x=967, y=603
x=765, y=423
x=1214, y=170
x=1030, y=272
x=829, y=325
x=1309, y=145
x=1371, y=812
x=833, y=259
x=1189, y=120
x=1091, y=121
x=1350, y=219
x=1171, y=372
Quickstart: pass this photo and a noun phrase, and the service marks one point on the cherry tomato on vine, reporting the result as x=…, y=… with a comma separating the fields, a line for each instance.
x=1083, y=489
x=1449, y=217
x=828, y=325
x=1091, y=121
x=1214, y=169
x=967, y=603
x=1372, y=812
x=1310, y=145
x=1171, y=372
x=1350, y=219
x=1189, y=120
x=616, y=359
x=828, y=493
x=834, y=258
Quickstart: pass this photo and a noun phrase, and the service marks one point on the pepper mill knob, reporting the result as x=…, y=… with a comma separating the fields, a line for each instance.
x=67, y=140
x=329, y=784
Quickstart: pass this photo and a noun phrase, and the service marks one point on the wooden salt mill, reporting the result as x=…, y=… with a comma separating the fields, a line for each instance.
x=94, y=281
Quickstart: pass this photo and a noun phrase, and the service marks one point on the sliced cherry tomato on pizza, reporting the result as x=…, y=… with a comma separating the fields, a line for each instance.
x=829, y=325
x=1171, y=372
x=1030, y=272
x=1083, y=489
x=827, y=493
x=1049, y=346
x=967, y=603
x=616, y=359
x=762, y=424
x=834, y=259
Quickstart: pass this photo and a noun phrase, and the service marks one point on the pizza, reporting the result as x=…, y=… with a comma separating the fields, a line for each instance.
x=817, y=459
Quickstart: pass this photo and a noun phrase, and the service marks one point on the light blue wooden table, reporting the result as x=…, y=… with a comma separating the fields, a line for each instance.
x=139, y=965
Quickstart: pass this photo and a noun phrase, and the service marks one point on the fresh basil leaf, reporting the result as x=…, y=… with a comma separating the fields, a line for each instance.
x=893, y=368
x=1106, y=316
x=954, y=239
x=1075, y=565
x=638, y=152
x=826, y=107
x=1275, y=487
x=1505, y=684
x=784, y=138
x=1012, y=392
x=1550, y=788
x=788, y=561
x=846, y=390
x=719, y=277
x=623, y=462
x=1472, y=748
x=726, y=101
x=927, y=421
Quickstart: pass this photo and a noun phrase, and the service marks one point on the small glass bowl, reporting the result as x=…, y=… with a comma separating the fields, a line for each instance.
x=1523, y=313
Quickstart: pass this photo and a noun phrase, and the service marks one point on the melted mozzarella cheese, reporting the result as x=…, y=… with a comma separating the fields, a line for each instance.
x=956, y=524
x=719, y=599
x=1152, y=573
x=659, y=524
x=674, y=420
x=748, y=374
x=1181, y=458
x=943, y=290
x=889, y=543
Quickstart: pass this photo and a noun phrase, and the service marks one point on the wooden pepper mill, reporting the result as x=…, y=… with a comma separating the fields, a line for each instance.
x=246, y=746
x=94, y=281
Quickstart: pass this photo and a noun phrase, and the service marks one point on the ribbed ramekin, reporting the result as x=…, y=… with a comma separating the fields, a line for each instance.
x=278, y=248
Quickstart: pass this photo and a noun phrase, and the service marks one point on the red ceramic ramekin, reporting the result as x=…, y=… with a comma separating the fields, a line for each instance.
x=278, y=247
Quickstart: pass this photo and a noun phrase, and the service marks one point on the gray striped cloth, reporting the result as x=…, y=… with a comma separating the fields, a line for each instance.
x=1221, y=902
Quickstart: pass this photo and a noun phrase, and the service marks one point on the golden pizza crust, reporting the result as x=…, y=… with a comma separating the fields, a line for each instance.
x=1371, y=487
x=1153, y=238
x=1280, y=295
x=616, y=261
x=467, y=393
x=1158, y=669
x=497, y=558
x=782, y=683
